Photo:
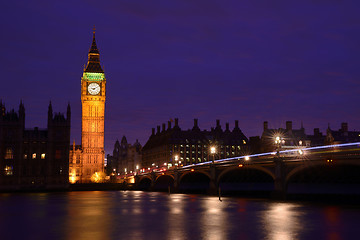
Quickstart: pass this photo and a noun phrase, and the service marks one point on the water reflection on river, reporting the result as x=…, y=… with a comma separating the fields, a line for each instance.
x=149, y=215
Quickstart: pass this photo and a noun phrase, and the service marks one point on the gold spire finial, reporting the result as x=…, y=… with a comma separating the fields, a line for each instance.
x=94, y=29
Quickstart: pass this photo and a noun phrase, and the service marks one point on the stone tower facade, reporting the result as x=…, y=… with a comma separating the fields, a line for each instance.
x=93, y=95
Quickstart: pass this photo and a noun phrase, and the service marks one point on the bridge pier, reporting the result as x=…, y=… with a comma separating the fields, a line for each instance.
x=176, y=181
x=213, y=188
x=153, y=178
x=280, y=188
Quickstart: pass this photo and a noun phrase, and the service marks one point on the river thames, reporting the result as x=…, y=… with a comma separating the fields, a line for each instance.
x=154, y=215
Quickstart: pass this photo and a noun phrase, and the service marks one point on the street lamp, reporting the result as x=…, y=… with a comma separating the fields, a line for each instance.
x=213, y=151
x=278, y=142
x=176, y=157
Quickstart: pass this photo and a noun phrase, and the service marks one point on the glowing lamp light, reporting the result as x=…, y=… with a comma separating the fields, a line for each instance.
x=98, y=177
x=72, y=179
x=301, y=152
x=212, y=150
x=192, y=169
x=247, y=158
x=240, y=165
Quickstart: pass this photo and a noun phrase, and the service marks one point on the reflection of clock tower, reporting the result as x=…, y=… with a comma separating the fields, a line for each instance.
x=93, y=96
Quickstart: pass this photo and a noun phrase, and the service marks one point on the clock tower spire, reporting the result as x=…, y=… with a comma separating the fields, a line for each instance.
x=93, y=95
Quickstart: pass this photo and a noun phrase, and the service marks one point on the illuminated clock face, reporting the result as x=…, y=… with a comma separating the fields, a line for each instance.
x=93, y=88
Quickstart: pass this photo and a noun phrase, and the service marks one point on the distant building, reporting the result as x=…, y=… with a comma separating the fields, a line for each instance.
x=343, y=135
x=297, y=138
x=290, y=138
x=173, y=146
x=36, y=158
x=317, y=139
x=126, y=158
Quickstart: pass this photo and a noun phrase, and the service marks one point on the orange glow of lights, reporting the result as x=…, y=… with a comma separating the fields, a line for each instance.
x=240, y=165
x=192, y=170
x=162, y=173
x=98, y=177
x=72, y=179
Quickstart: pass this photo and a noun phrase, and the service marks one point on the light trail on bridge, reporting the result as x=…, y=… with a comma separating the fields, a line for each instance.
x=248, y=157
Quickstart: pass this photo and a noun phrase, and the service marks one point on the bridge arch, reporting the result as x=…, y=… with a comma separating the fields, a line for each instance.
x=197, y=181
x=248, y=180
x=255, y=167
x=164, y=175
x=192, y=172
x=163, y=182
x=314, y=164
x=145, y=183
x=338, y=177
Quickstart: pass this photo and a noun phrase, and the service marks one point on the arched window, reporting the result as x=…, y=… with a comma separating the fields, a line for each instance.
x=9, y=153
x=8, y=170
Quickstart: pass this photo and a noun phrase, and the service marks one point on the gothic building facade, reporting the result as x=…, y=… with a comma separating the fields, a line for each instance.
x=126, y=158
x=34, y=158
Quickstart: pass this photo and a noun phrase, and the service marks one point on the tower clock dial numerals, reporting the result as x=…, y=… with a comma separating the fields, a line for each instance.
x=94, y=88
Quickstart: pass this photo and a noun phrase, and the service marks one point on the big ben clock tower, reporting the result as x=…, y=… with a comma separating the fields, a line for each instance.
x=93, y=94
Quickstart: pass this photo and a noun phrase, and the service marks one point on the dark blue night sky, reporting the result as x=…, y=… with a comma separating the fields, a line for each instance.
x=251, y=61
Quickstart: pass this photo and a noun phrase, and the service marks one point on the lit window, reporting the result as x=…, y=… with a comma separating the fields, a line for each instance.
x=8, y=170
x=9, y=154
x=43, y=156
x=25, y=156
x=244, y=142
x=33, y=155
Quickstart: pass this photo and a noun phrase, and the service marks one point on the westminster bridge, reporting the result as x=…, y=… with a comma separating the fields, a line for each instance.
x=335, y=168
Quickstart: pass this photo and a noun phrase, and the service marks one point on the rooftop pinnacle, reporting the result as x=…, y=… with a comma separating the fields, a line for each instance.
x=93, y=64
